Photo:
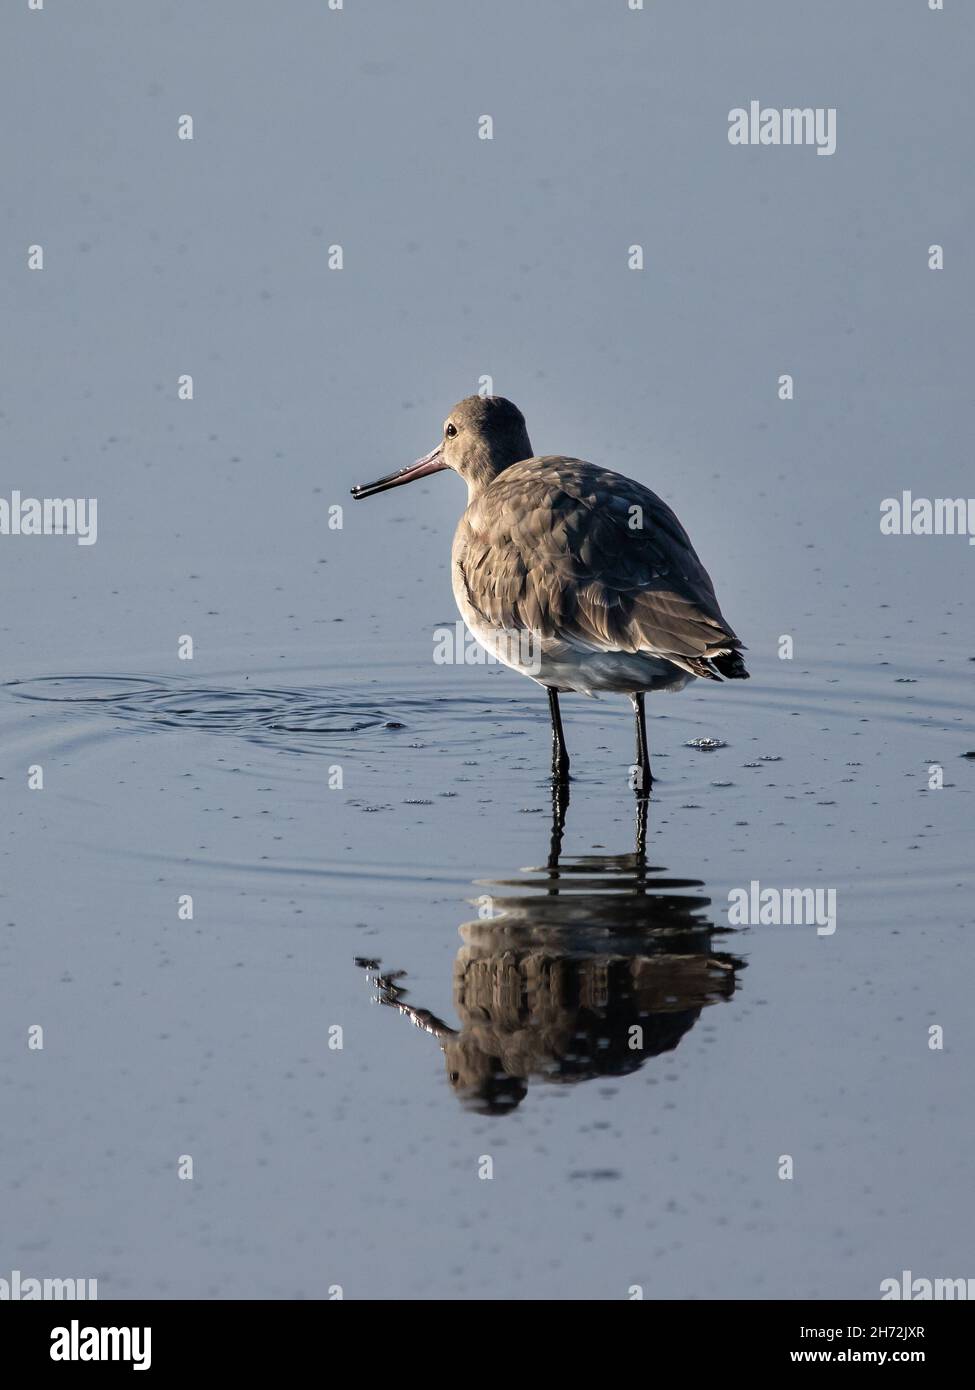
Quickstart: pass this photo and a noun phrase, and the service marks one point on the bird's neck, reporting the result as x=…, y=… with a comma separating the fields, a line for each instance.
x=485, y=464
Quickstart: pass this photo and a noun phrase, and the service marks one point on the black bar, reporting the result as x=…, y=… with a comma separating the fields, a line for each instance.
x=255, y=1337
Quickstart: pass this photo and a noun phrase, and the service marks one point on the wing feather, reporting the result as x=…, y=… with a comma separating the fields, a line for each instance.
x=578, y=555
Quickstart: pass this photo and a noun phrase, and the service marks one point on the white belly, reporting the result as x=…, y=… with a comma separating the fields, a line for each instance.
x=570, y=666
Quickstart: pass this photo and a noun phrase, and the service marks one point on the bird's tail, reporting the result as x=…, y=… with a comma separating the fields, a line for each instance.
x=730, y=665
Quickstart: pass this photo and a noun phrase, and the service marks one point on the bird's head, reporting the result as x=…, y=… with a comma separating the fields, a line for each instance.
x=482, y=436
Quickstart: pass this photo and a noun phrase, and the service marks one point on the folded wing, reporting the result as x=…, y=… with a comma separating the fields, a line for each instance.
x=579, y=555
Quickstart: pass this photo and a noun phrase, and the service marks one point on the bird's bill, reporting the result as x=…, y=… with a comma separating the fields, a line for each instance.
x=432, y=462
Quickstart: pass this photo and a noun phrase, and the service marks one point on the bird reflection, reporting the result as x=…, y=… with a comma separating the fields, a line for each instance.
x=592, y=965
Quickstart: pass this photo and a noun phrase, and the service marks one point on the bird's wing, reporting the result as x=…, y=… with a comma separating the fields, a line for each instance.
x=578, y=555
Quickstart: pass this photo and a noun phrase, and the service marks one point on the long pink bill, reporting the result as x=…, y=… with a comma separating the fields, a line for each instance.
x=432, y=462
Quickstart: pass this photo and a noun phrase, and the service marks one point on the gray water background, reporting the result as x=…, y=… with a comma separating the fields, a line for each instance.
x=358, y=1167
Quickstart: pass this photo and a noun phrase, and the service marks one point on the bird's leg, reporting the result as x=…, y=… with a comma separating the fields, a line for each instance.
x=560, y=754
x=560, y=804
x=640, y=857
x=643, y=780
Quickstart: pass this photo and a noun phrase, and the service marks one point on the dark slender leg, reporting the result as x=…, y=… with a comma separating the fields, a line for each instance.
x=560, y=754
x=644, y=778
x=560, y=804
x=640, y=857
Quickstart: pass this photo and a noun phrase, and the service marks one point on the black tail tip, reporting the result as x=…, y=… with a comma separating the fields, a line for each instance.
x=731, y=666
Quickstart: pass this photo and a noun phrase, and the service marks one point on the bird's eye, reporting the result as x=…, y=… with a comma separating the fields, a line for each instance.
x=450, y=430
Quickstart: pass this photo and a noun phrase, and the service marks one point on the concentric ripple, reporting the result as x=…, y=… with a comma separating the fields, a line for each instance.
x=292, y=719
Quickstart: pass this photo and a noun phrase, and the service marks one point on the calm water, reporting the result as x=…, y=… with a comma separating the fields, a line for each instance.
x=437, y=881
x=368, y=837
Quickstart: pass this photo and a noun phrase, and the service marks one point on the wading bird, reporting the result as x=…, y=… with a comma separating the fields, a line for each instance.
x=578, y=577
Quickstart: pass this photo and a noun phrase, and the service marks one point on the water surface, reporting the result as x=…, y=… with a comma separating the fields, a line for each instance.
x=368, y=837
